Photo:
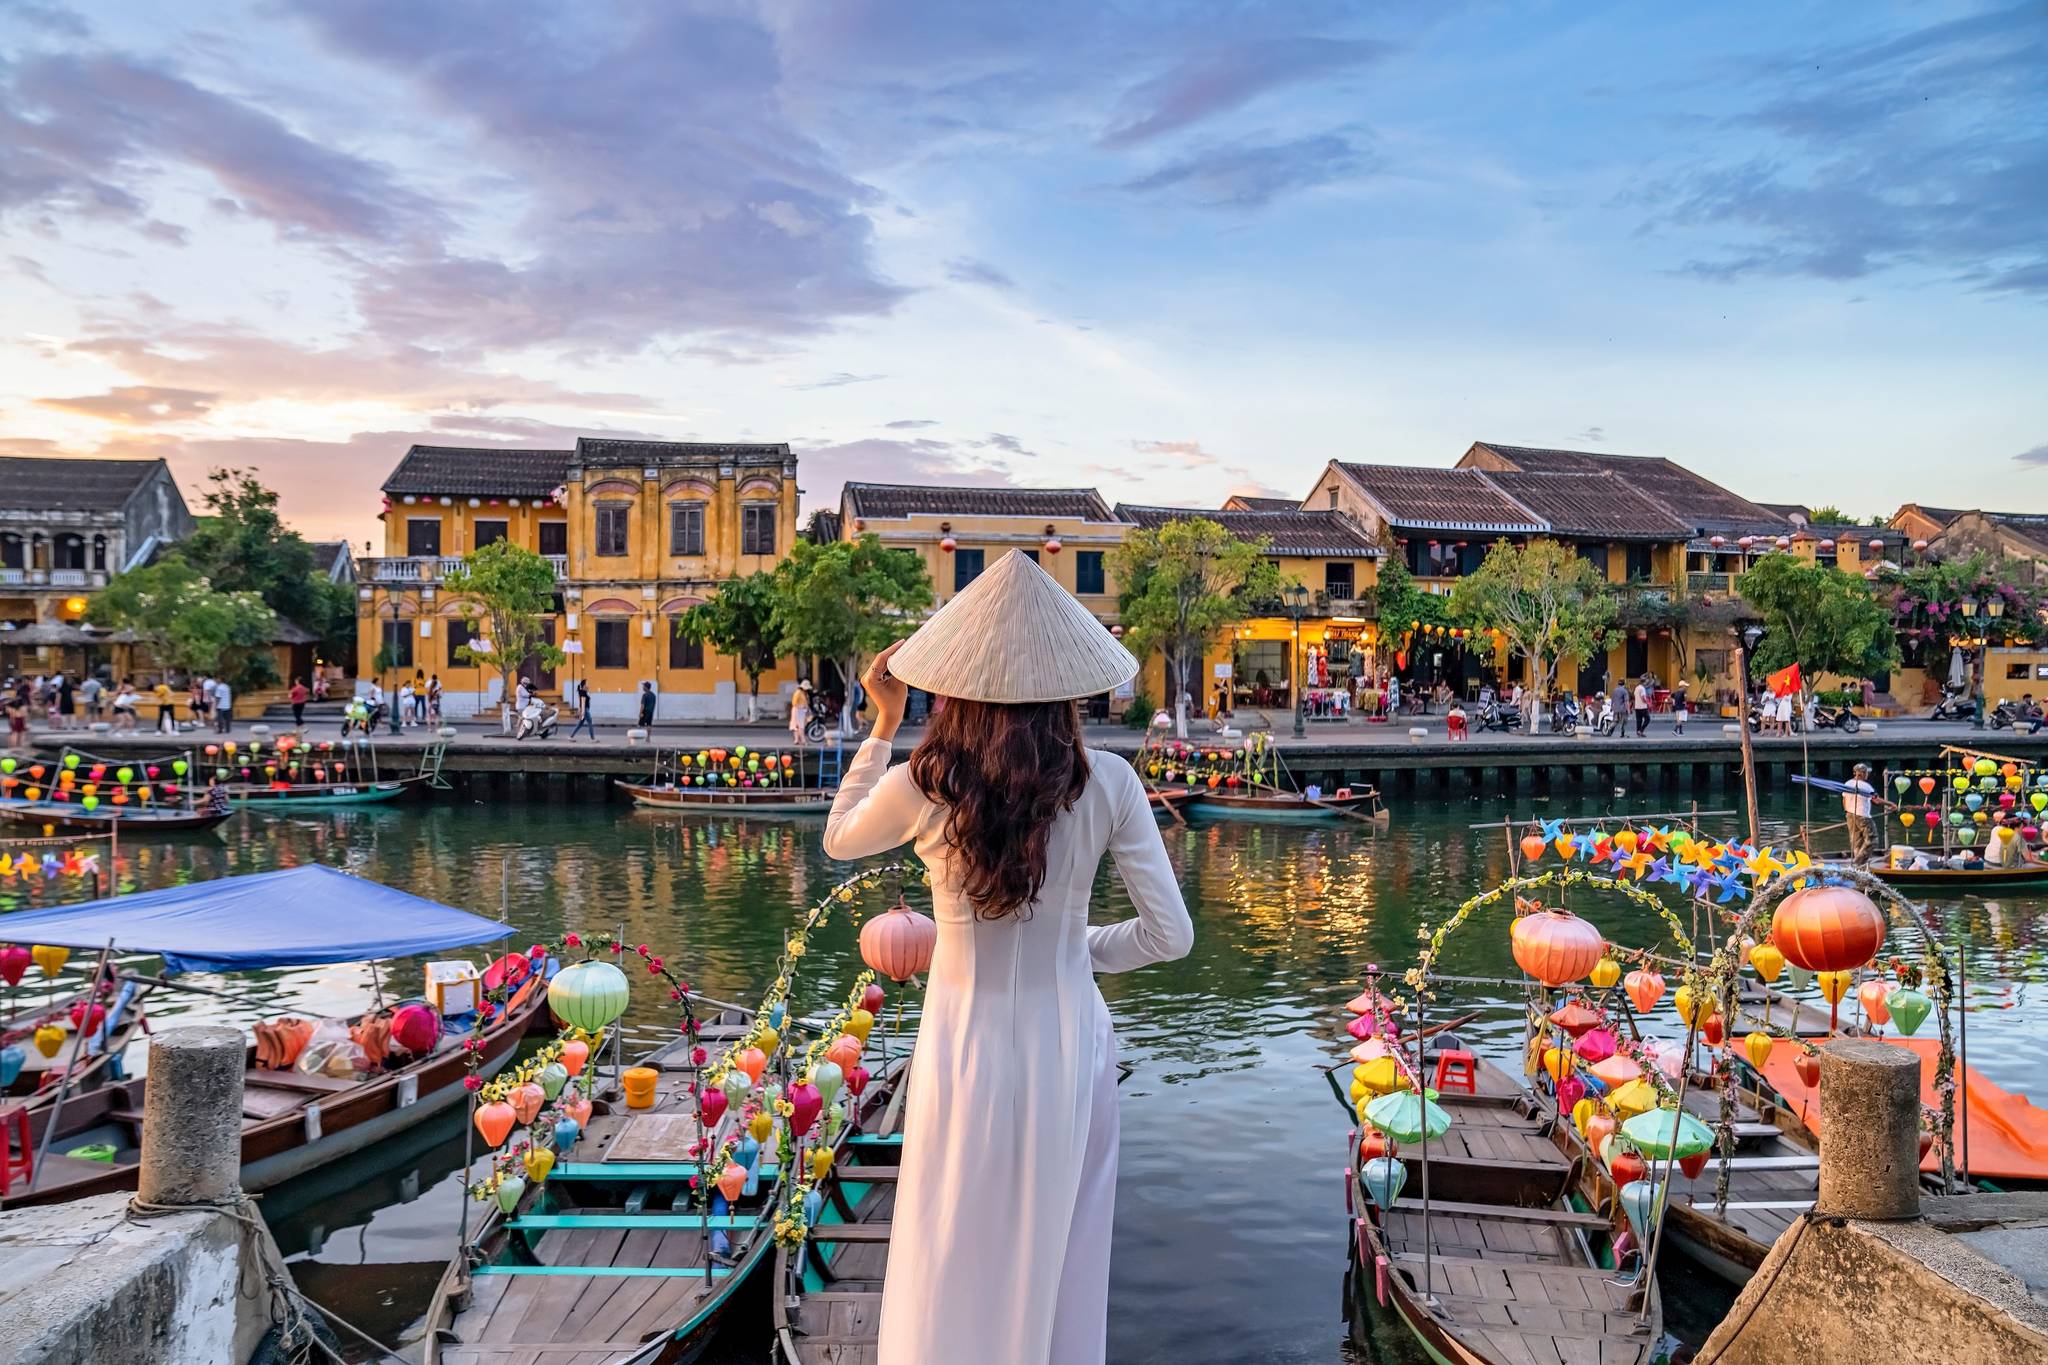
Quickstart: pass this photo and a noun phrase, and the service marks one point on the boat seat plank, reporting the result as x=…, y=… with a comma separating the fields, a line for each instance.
x=1769, y=1163
x=653, y=1137
x=1545, y=1268
x=1508, y=1213
x=270, y=1078
x=875, y=1140
x=851, y=1232
x=629, y=1221
x=603, y=1271
x=869, y=1175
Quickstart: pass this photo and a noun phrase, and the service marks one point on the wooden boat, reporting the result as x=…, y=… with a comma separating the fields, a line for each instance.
x=86, y=1058
x=69, y=817
x=1962, y=878
x=606, y=1260
x=829, y=1308
x=1275, y=803
x=301, y=795
x=730, y=800
x=291, y=1122
x=1508, y=1264
x=1171, y=803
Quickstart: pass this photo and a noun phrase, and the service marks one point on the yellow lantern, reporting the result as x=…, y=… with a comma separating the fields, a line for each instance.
x=1379, y=1076
x=1557, y=1063
x=1582, y=1114
x=1605, y=973
x=760, y=1126
x=858, y=1023
x=1758, y=1046
x=50, y=958
x=539, y=1161
x=821, y=1162
x=1767, y=960
x=1637, y=1097
x=1833, y=985
x=49, y=1038
x=1693, y=1011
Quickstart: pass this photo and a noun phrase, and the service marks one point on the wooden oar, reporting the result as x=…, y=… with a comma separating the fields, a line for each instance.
x=1169, y=807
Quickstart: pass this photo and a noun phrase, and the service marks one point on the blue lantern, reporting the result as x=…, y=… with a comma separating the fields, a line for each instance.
x=1383, y=1177
x=11, y=1058
x=566, y=1133
x=1639, y=1202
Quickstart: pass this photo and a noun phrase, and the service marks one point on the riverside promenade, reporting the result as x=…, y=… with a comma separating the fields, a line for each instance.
x=1407, y=755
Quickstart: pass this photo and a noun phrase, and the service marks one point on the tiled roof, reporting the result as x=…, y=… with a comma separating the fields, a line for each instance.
x=602, y=451
x=1944, y=515
x=1699, y=502
x=1447, y=499
x=1241, y=503
x=327, y=553
x=1292, y=532
x=1590, y=505
x=58, y=484
x=479, y=471
x=928, y=500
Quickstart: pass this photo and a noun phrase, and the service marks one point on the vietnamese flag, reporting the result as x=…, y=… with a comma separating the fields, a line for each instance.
x=1784, y=682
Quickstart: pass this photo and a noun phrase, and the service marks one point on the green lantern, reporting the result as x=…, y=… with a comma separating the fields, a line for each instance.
x=1404, y=1115
x=124, y=775
x=71, y=760
x=1668, y=1134
x=552, y=1078
x=588, y=995
x=1909, y=1009
x=178, y=766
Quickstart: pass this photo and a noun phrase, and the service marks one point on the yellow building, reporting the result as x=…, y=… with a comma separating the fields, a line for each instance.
x=638, y=532
x=1335, y=562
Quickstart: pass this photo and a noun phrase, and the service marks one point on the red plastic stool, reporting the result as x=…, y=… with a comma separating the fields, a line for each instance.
x=1455, y=1070
x=14, y=1133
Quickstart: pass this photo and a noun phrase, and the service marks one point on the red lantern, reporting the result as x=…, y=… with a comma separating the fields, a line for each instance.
x=1808, y=1067
x=1555, y=946
x=1574, y=1018
x=1713, y=1030
x=948, y=544
x=1052, y=545
x=1694, y=1164
x=898, y=944
x=1828, y=928
x=1627, y=1168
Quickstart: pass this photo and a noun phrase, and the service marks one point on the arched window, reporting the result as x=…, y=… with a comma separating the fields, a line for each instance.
x=13, y=550
x=70, y=551
x=99, y=553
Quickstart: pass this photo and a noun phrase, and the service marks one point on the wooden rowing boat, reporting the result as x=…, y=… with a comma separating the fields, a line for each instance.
x=1510, y=1264
x=85, y=1057
x=69, y=817
x=829, y=1308
x=1961, y=878
x=1273, y=803
x=292, y=1123
x=1171, y=802
x=606, y=1260
x=783, y=801
x=301, y=795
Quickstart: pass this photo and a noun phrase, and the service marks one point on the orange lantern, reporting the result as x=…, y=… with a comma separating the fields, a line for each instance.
x=1645, y=987
x=526, y=1101
x=899, y=944
x=1532, y=847
x=1574, y=1018
x=494, y=1121
x=1828, y=928
x=1555, y=946
x=1876, y=998
x=753, y=1061
x=574, y=1054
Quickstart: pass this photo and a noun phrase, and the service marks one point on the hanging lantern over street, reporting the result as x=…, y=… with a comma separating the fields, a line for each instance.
x=1828, y=928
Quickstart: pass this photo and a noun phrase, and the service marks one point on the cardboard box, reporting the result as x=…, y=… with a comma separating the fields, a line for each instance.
x=453, y=988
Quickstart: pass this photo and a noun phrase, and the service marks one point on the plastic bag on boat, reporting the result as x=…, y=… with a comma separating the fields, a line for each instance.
x=331, y=1051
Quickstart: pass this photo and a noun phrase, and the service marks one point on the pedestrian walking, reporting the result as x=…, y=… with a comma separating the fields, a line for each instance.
x=583, y=721
x=799, y=714
x=223, y=703
x=66, y=699
x=1642, y=706
x=199, y=697
x=298, y=695
x=93, y=693
x=1681, y=709
x=647, y=702
x=1012, y=847
x=125, y=702
x=1620, y=699
x=166, y=708
x=17, y=717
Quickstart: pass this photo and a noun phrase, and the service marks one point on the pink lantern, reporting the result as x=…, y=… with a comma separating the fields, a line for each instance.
x=416, y=1028
x=712, y=1102
x=1360, y=1027
x=1717, y=541
x=857, y=1079
x=1595, y=1045
x=805, y=1104
x=1876, y=544
x=1570, y=1091
x=899, y=944
x=14, y=960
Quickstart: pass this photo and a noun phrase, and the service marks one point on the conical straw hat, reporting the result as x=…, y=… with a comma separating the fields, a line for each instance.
x=1013, y=635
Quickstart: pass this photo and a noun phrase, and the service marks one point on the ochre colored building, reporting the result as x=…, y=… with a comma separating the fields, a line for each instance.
x=637, y=531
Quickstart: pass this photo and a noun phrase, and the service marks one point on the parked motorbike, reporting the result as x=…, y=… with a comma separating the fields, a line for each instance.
x=1836, y=718
x=1564, y=715
x=538, y=720
x=2013, y=714
x=1954, y=705
x=1494, y=716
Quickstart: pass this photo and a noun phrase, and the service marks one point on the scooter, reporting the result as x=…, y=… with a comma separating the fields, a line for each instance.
x=1841, y=718
x=1954, y=705
x=1564, y=715
x=1494, y=716
x=538, y=720
x=2014, y=714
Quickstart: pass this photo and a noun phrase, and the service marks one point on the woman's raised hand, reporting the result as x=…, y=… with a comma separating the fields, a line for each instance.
x=889, y=693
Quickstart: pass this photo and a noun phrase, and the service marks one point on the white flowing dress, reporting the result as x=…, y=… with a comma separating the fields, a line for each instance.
x=999, y=1253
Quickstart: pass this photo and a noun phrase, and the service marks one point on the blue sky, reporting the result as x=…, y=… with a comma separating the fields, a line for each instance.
x=1171, y=250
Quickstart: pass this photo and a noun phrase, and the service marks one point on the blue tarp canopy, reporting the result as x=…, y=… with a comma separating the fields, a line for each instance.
x=297, y=917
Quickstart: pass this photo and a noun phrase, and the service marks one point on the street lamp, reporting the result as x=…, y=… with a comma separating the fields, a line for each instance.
x=1297, y=599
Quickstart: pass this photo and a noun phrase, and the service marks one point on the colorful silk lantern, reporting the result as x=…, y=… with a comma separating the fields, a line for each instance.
x=1555, y=946
x=1873, y=994
x=538, y=1162
x=1807, y=1065
x=1574, y=1018
x=1667, y=1134
x=1595, y=1045
x=1909, y=1009
x=1767, y=960
x=575, y=1053
x=1384, y=1177
x=14, y=961
x=753, y=1061
x=805, y=1106
x=828, y=1077
x=1532, y=847
x=1605, y=973
x=845, y=1051
x=1617, y=1071
x=551, y=1079
x=577, y=1108
x=899, y=944
x=50, y=958
x=1828, y=928
x=416, y=1028
x=1636, y=1097
x=1638, y=1199
x=1645, y=987
x=510, y=1190
x=1833, y=985
x=1406, y=1116
x=1759, y=1046
x=49, y=1039
x=494, y=1121
x=588, y=995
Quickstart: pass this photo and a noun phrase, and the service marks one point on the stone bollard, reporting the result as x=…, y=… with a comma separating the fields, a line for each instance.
x=1870, y=1126
x=192, y=1116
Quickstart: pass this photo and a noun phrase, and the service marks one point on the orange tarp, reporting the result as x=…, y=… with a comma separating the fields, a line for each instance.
x=2008, y=1135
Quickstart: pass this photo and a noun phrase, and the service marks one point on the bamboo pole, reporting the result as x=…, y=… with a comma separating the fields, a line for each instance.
x=64, y=1085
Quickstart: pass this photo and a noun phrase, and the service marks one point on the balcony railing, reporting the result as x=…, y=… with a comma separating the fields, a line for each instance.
x=432, y=568
x=55, y=578
x=1710, y=582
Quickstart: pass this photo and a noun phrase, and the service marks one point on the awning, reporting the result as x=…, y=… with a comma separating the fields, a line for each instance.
x=300, y=916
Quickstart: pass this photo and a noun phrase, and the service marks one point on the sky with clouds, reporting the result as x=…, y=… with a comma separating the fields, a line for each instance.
x=1171, y=250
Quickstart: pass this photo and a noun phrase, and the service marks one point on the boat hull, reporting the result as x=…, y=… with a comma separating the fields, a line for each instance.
x=729, y=800
x=1287, y=807
x=322, y=794
x=69, y=819
x=1962, y=879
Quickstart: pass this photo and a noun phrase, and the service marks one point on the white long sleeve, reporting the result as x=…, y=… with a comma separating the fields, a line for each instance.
x=1162, y=930
x=877, y=807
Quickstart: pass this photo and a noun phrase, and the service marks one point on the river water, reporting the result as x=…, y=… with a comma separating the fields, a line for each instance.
x=1230, y=1230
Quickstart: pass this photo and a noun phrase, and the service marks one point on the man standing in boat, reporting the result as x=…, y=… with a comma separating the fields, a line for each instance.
x=1856, y=797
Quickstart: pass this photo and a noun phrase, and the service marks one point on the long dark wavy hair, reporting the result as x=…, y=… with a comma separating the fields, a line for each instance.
x=1003, y=772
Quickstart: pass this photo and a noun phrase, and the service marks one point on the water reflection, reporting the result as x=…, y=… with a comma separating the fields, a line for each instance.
x=1231, y=1236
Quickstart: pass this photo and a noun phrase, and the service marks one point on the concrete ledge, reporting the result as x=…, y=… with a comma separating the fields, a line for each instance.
x=81, y=1284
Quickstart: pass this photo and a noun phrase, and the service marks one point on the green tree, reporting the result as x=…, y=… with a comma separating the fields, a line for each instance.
x=1818, y=618
x=1400, y=605
x=1182, y=584
x=845, y=600
x=509, y=591
x=1547, y=602
x=243, y=545
x=740, y=622
x=195, y=626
